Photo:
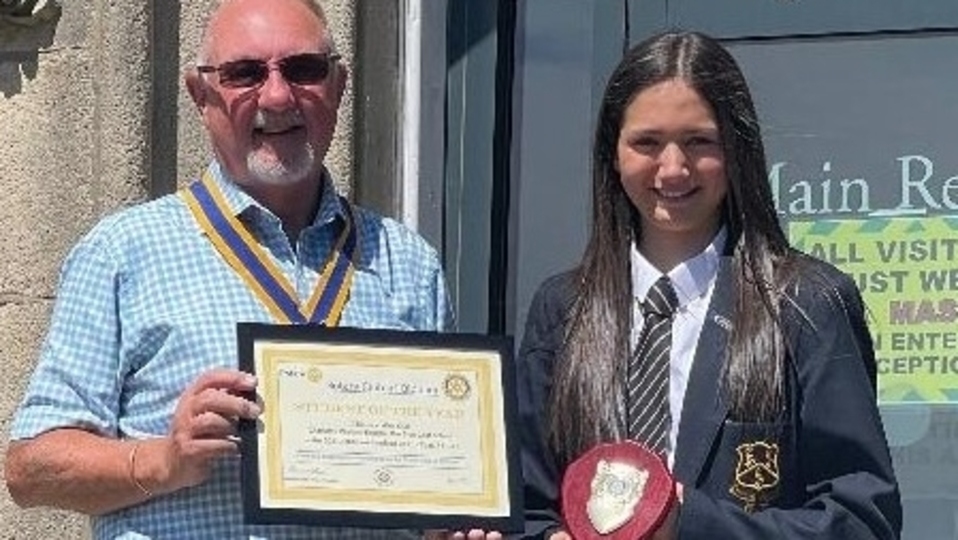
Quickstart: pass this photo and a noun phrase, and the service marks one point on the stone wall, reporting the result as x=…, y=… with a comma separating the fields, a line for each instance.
x=93, y=117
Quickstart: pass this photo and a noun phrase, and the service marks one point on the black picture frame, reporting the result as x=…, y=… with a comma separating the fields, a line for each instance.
x=250, y=335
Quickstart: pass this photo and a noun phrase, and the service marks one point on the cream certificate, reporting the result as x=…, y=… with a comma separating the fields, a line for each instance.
x=381, y=428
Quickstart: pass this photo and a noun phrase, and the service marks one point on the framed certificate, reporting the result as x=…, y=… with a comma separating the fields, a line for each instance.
x=380, y=429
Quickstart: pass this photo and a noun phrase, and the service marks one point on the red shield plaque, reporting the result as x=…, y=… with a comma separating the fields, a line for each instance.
x=616, y=491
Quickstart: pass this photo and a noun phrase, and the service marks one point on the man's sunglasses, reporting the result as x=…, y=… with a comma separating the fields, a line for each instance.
x=307, y=68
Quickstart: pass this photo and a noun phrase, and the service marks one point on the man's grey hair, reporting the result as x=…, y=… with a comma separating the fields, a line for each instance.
x=202, y=56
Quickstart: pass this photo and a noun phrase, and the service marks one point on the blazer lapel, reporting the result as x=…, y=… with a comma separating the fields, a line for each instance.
x=704, y=410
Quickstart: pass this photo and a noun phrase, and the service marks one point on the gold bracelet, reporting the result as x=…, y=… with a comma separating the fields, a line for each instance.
x=132, y=467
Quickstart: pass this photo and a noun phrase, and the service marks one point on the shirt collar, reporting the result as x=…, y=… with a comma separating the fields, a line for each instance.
x=240, y=202
x=691, y=279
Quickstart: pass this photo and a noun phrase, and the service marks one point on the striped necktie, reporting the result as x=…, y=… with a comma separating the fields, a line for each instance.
x=648, y=384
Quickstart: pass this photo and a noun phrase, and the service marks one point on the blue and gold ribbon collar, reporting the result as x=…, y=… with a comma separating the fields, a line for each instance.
x=243, y=254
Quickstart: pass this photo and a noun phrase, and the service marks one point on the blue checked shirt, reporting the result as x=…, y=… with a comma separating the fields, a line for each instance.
x=146, y=304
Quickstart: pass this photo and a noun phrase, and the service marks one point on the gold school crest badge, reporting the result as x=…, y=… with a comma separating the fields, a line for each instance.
x=756, y=474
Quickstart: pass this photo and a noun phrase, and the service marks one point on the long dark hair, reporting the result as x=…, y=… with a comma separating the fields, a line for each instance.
x=588, y=403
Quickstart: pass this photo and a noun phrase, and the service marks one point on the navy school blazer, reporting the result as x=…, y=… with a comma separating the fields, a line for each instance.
x=834, y=471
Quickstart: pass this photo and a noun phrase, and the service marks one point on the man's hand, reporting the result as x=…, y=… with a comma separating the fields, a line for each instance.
x=203, y=428
x=87, y=472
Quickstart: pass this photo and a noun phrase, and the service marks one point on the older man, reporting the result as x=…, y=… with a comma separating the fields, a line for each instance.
x=130, y=415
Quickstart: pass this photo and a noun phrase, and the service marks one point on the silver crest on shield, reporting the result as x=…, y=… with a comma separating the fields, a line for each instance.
x=616, y=490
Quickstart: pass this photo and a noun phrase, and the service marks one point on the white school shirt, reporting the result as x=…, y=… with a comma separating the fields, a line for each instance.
x=693, y=280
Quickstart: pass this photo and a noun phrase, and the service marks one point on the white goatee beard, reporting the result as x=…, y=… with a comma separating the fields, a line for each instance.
x=278, y=172
x=273, y=170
